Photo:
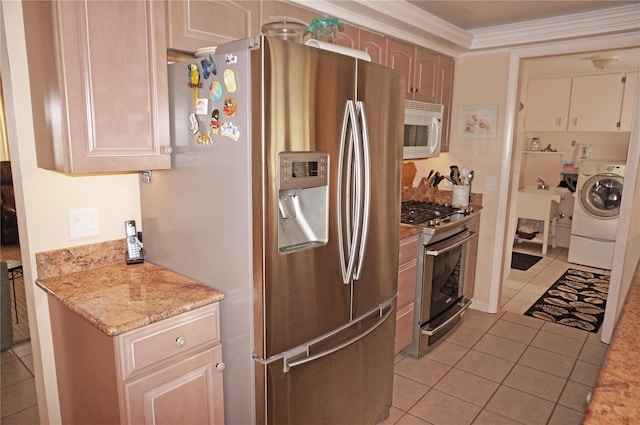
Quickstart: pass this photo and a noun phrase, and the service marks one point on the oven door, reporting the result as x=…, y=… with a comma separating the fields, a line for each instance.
x=439, y=293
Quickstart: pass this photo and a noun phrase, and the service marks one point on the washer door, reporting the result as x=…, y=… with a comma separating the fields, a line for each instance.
x=601, y=195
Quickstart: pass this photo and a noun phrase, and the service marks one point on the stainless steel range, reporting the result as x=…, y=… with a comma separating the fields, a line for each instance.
x=439, y=301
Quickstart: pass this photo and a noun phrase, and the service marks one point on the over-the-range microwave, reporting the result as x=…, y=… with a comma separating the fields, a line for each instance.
x=422, y=129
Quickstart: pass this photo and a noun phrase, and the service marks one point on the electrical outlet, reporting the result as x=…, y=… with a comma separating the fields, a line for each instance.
x=573, y=143
x=491, y=183
x=83, y=223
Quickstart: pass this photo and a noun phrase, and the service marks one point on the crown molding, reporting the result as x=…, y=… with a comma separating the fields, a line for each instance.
x=402, y=20
x=609, y=21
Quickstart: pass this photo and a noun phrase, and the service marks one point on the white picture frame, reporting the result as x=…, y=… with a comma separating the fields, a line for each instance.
x=478, y=121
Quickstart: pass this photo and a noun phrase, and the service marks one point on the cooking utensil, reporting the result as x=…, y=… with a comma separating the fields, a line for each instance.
x=436, y=179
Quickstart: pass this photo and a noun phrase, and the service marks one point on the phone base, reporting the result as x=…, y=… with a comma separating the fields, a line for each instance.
x=137, y=260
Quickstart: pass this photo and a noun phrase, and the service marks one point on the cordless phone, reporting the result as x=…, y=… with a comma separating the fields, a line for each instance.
x=134, y=248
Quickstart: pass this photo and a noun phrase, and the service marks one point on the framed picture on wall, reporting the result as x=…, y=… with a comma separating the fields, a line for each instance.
x=478, y=121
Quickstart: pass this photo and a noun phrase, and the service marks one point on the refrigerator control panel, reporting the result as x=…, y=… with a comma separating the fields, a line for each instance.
x=299, y=170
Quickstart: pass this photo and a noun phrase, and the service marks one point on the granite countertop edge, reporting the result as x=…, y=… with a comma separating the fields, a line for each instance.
x=117, y=298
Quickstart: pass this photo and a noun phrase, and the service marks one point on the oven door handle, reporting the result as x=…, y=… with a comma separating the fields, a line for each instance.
x=436, y=252
x=432, y=332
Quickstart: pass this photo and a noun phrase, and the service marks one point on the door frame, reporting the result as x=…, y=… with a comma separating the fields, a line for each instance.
x=506, y=196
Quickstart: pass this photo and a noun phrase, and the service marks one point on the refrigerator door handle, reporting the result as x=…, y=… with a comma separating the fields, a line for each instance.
x=288, y=364
x=366, y=186
x=350, y=176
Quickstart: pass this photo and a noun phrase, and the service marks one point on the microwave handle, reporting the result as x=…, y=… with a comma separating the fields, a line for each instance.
x=434, y=134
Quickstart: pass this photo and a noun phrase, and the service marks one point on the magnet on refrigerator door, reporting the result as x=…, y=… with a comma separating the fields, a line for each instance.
x=230, y=107
x=230, y=80
x=230, y=130
x=215, y=91
x=215, y=124
x=208, y=67
x=230, y=58
x=204, y=139
x=195, y=125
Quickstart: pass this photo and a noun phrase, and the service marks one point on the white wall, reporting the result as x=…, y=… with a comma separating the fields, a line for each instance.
x=479, y=80
x=43, y=199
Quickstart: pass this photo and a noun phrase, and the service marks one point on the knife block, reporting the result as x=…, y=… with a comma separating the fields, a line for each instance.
x=424, y=192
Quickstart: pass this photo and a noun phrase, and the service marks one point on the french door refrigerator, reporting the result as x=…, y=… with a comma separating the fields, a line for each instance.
x=284, y=193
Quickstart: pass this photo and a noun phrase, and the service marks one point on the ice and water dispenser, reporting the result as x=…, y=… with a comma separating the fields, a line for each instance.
x=303, y=200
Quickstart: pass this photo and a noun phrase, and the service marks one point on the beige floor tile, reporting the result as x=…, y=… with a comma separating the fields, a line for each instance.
x=547, y=361
x=406, y=392
x=503, y=301
x=480, y=321
x=439, y=408
x=447, y=353
x=485, y=365
x=513, y=331
x=535, y=382
x=508, y=292
x=523, y=276
x=516, y=306
x=595, y=338
x=13, y=372
x=574, y=396
x=513, y=284
x=424, y=370
x=24, y=417
x=557, y=343
x=526, y=297
x=534, y=288
x=7, y=356
x=564, y=416
x=500, y=347
x=408, y=419
x=22, y=349
x=399, y=357
x=464, y=336
x=394, y=415
x=567, y=331
x=585, y=373
x=18, y=397
x=520, y=406
x=523, y=320
x=467, y=387
x=593, y=353
x=489, y=418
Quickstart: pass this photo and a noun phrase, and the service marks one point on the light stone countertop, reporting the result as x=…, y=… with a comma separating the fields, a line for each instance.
x=115, y=297
x=616, y=398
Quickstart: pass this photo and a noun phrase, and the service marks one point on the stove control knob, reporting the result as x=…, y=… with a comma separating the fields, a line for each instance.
x=434, y=222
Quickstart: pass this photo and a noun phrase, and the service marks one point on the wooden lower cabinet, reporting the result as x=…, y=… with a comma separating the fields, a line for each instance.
x=407, y=272
x=163, y=373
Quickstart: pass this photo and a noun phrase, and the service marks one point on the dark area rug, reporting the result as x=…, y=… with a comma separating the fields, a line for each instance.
x=521, y=261
x=577, y=299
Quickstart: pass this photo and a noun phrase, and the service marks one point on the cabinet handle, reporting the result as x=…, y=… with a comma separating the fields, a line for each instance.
x=558, y=121
x=575, y=121
x=167, y=149
x=181, y=341
x=220, y=367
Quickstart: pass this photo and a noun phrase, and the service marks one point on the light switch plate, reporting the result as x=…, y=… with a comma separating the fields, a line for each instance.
x=83, y=222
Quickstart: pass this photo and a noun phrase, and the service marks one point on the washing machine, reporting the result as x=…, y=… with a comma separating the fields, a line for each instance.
x=596, y=213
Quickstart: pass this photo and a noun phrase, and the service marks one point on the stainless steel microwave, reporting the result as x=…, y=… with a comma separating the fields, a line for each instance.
x=422, y=129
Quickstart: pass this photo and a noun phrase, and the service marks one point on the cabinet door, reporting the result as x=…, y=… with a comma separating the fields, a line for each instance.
x=375, y=45
x=547, y=104
x=106, y=108
x=348, y=37
x=446, y=71
x=185, y=392
x=426, y=76
x=595, y=102
x=400, y=57
x=631, y=82
x=192, y=24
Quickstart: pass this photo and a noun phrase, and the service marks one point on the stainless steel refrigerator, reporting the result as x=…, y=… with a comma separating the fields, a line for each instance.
x=284, y=193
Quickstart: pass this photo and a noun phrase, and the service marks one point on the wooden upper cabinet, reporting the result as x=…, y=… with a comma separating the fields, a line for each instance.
x=348, y=37
x=195, y=24
x=426, y=76
x=375, y=45
x=401, y=57
x=100, y=104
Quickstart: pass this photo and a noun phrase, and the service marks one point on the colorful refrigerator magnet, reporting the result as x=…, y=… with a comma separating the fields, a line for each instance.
x=230, y=80
x=215, y=123
x=215, y=91
x=208, y=67
x=204, y=139
x=194, y=81
x=202, y=106
x=194, y=123
x=230, y=107
x=230, y=58
x=230, y=130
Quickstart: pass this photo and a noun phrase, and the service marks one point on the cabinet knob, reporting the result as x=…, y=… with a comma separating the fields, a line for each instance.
x=167, y=149
x=181, y=341
x=220, y=366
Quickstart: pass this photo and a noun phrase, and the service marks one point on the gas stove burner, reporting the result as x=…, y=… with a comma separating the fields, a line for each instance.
x=418, y=212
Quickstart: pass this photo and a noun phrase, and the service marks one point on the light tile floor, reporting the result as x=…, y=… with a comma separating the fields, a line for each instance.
x=504, y=368
x=19, y=403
